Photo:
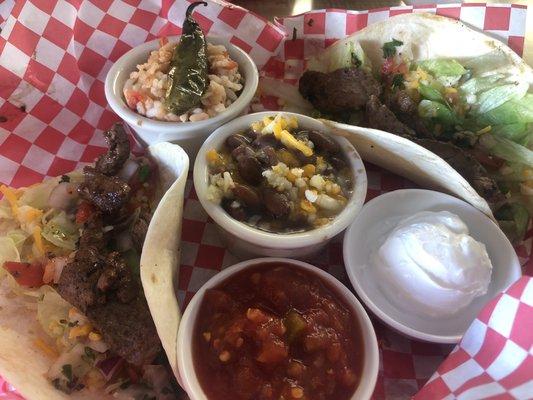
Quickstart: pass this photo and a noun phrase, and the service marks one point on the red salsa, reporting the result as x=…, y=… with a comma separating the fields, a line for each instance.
x=276, y=332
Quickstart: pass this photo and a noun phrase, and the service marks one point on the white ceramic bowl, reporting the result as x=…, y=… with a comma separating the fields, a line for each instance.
x=246, y=241
x=189, y=135
x=188, y=378
x=368, y=231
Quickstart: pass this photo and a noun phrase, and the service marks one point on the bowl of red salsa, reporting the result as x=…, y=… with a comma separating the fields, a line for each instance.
x=274, y=328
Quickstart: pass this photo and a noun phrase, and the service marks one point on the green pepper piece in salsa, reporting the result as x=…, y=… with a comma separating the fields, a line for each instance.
x=189, y=67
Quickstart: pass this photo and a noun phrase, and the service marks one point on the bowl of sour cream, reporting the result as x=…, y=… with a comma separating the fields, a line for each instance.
x=426, y=263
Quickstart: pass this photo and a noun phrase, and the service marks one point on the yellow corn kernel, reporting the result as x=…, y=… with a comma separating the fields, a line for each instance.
x=321, y=221
x=484, y=130
x=266, y=121
x=450, y=90
x=11, y=197
x=283, y=123
x=307, y=206
x=290, y=177
x=224, y=356
x=212, y=156
x=46, y=349
x=207, y=336
x=309, y=170
x=297, y=392
x=290, y=141
x=287, y=158
x=94, y=336
x=37, y=238
x=277, y=130
x=78, y=331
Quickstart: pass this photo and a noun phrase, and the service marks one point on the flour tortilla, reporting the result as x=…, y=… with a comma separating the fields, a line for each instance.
x=426, y=36
x=25, y=366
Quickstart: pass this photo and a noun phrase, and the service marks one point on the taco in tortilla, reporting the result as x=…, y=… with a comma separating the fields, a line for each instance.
x=443, y=92
x=74, y=319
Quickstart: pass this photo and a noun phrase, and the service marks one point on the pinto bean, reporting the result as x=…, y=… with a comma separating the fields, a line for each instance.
x=265, y=140
x=241, y=151
x=236, y=140
x=250, y=169
x=323, y=142
x=267, y=156
x=247, y=195
x=276, y=203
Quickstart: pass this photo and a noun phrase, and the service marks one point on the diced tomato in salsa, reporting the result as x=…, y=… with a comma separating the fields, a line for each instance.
x=274, y=332
x=26, y=274
x=85, y=210
x=133, y=97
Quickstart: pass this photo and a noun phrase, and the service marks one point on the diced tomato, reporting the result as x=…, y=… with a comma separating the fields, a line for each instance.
x=85, y=210
x=390, y=67
x=133, y=97
x=26, y=274
x=231, y=64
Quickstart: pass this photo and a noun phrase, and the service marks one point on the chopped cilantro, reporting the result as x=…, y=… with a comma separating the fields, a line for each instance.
x=64, y=178
x=389, y=48
x=144, y=173
x=355, y=60
x=397, y=81
x=67, y=371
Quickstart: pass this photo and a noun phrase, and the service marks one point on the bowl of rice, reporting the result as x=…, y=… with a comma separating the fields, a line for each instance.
x=137, y=83
x=262, y=229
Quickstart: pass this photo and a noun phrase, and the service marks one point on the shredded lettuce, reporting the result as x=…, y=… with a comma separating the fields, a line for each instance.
x=507, y=149
x=499, y=95
x=345, y=53
x=511, y=112
x=513, y=219
x=36, y=196
x=19, y=237
x=518, y=133
x=476, y=85
x=61, y=231
x=430, y=92
x=443, y=67
x=51, y=310
x=437, y=111
x=8, y=252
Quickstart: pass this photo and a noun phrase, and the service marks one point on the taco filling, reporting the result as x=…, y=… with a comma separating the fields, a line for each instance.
x=477, y=120
x=70, y=250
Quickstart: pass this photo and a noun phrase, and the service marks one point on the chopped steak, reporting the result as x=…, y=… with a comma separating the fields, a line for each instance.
x=105, y=288
x=93, y=234
x=468, y=167
x=139, y=229
x=379, y=116
x=406, y=109
x=78, y=280
x=128, y=329
x=108, y=193
x=343, y=90
x=119, y=151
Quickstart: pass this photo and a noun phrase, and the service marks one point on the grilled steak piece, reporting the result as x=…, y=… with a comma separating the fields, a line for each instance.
x=119, y=151
x=107, y=291
x=406, y=110
x=128, y=329
x=343, y=90
x=468, y=167
x=378, y=116
x=139, y=229
x=108, y=193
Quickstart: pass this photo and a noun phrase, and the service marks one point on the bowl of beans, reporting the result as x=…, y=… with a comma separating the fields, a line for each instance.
x=274, y=328
x=279, y=184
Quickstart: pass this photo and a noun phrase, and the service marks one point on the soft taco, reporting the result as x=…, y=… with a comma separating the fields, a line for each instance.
x=75, y=320
x=448, y=106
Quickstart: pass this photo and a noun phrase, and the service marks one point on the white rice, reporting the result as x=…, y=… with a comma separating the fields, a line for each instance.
x=146, y=88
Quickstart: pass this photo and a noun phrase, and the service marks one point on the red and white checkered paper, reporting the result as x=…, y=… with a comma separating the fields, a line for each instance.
x=54, y=56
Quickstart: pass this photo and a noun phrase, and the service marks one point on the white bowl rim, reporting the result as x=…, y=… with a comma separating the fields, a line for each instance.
x=119, y=106
x=398, y=326
x=370, y=367
x=277, y=240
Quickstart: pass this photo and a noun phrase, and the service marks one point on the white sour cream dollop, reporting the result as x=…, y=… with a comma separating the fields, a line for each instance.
x=430, y=265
